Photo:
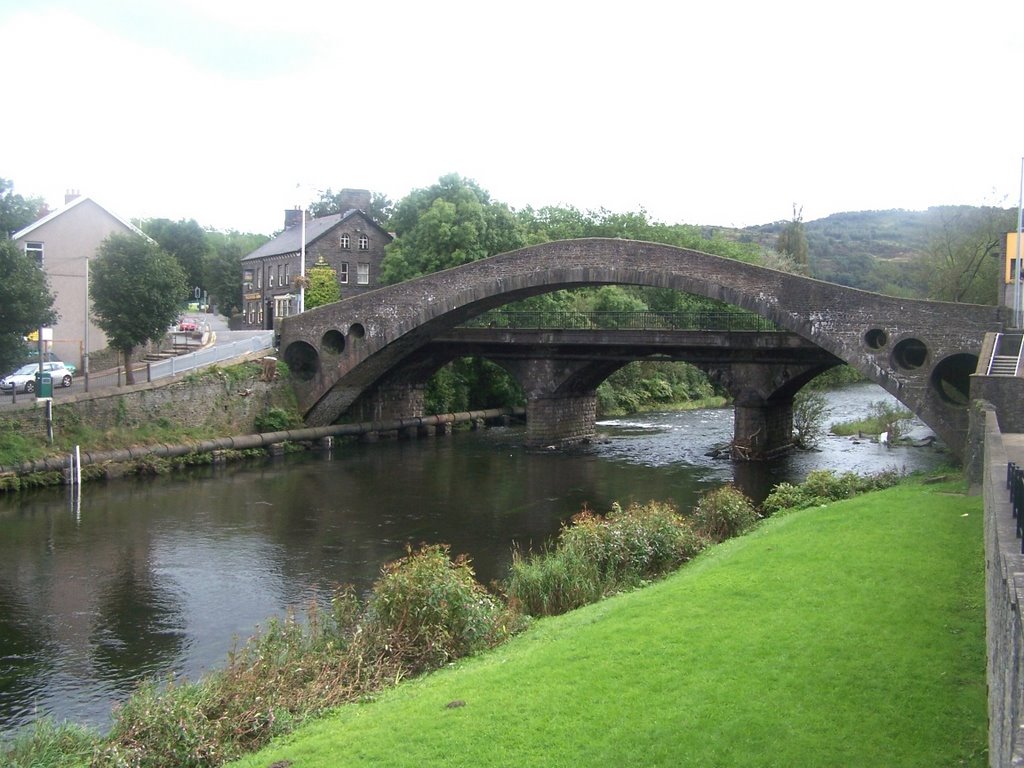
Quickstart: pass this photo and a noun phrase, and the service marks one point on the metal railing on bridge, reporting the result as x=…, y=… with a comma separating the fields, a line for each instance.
x=643, y=320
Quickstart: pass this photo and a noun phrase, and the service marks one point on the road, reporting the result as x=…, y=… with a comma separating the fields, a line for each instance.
x=221, y=336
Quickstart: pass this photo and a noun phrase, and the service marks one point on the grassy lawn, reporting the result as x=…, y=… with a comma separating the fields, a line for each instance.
x=850, y=635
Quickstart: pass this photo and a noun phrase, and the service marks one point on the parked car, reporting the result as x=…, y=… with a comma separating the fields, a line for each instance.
x=24, y=379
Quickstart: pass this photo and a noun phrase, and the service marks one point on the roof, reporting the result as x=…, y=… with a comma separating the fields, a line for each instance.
x=76, y=202
x=290, y=241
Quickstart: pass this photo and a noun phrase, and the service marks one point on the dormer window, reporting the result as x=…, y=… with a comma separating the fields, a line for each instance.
x=344, y=242
x=364, y=243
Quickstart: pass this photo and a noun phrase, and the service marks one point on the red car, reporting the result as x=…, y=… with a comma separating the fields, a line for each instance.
x=187, y=324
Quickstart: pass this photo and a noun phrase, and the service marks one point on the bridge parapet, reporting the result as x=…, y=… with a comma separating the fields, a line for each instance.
x=920, y=351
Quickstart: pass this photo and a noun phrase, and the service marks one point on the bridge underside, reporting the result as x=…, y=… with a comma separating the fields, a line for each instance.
x=559, y=372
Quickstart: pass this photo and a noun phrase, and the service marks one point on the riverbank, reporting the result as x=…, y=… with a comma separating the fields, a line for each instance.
x=846, y=635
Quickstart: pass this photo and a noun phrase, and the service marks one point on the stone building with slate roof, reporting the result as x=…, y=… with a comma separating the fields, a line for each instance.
x=350, y=241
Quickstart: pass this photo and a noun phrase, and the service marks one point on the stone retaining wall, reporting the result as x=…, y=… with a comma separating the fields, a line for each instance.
x=211, y=400
x=1004, y=587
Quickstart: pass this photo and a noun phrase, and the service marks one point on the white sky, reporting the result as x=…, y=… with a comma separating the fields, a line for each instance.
x=217, y=110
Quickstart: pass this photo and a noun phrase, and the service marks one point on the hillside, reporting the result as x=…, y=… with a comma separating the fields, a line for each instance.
x=874, y=250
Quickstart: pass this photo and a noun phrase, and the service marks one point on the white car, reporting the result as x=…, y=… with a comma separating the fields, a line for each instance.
x=24, y=379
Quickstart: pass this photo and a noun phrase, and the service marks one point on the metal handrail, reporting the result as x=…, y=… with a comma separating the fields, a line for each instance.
x=642, y=320
x=1000, y=340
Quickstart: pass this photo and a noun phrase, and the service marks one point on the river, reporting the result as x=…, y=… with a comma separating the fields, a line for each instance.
x=160, y=576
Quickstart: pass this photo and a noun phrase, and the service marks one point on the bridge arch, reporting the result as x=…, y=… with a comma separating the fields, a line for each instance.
x=919, y=351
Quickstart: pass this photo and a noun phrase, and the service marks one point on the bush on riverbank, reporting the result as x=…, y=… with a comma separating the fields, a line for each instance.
x=596, y=556
x=823, y=486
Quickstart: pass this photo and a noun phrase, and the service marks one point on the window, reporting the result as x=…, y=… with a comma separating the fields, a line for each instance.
x=344, y=242
x=280, y=274
x=364, y=243
x=343, y=273
x=283, y=306
x=287, y=274
x=247, y=279
x=259, y=278
x=363, y=274
x=35, y=251
x=252, y=313
x=270, y=278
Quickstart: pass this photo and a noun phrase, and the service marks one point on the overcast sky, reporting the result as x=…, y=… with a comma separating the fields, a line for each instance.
x=726, y=113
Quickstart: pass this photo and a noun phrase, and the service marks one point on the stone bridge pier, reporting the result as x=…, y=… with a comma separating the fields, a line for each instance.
x=561, y=403
x=762, y=395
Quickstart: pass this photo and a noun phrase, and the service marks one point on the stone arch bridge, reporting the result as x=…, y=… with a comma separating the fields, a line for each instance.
x=367, y=357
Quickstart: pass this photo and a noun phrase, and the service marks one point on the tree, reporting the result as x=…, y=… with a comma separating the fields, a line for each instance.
x=449, y=224
x=137, y=291
x=17, y=212
x=323, y=285
x=185, y=241
x=960, y=263
x=222, y=272
x=793, y=239
x=26, y=300
x=810, y=411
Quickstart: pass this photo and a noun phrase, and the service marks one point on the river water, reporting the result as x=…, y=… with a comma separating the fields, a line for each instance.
x=160, y=576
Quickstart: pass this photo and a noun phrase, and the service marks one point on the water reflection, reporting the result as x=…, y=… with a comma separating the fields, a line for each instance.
x=158, y=577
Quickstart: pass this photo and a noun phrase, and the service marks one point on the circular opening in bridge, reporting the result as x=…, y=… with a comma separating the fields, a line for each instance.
x=910, y=354
x=876, y=338
x=951, y=378
x=302, y=360
x=356, y=331
x=334, y=342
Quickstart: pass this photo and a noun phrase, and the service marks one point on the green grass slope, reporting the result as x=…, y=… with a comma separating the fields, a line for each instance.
x=850, y=635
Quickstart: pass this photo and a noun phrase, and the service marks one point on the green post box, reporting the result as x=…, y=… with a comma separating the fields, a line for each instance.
x=44, y=385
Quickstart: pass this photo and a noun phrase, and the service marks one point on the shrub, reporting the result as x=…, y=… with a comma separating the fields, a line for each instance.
x=595, y=556
x=48, y=743
x=723, y=513
x=428, y=609
x=275, y=420
x=810, y=409
x=823, y=486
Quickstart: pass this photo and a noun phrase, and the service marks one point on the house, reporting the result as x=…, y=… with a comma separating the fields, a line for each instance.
x=62, y=243
x=350, y=241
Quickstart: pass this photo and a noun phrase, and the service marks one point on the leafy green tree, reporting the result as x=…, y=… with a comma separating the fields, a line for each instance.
x=185, y=241
x=793, y=239
x=323, y=285
x=961, y=262
x=17, y=212
x=223, y=268
x=451, y=223
x=26, y=300
x=137, y=291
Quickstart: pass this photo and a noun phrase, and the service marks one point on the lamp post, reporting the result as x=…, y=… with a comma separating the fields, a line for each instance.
x=302, y=262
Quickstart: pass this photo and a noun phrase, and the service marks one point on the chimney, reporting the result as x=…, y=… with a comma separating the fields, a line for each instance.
x=70, y=195
x=353, y=198
x=293, y=217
